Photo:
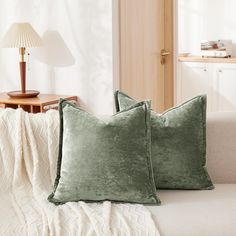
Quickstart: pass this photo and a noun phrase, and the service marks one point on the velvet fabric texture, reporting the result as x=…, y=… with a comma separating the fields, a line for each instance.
x=105, y=159
x=178, y=144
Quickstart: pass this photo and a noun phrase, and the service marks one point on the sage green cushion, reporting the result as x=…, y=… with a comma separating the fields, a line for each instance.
x=105, y=159
x=178, y=144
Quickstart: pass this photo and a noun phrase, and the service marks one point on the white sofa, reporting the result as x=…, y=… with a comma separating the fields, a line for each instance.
x=28, y=156
x=211, y=212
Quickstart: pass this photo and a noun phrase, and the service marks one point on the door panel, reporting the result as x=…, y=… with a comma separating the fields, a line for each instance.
x=142, y=37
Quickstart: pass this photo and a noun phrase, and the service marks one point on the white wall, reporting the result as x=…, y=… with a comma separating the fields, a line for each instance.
x=86, y=27
x=205, y=19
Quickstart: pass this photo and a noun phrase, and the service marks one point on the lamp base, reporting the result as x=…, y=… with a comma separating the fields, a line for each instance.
x=27, y=94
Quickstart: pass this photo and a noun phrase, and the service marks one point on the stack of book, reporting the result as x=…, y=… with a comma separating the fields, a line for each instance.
x=207, y=45
x=219, y=48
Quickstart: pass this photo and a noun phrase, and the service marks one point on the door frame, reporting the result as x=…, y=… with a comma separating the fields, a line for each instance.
x=169, y=46
x=176, y=50
x=170, y=83
x=116, y=43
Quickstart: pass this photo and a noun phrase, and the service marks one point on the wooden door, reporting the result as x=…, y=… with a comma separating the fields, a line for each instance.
x=146, y=28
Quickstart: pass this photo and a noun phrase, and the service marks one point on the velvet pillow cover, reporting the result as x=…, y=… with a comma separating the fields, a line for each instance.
x=104, y=159
x=178, y=144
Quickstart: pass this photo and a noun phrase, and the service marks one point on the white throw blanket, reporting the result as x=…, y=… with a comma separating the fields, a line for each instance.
x=28, y=159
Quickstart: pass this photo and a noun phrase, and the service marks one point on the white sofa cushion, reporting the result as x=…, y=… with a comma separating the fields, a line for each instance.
x=197, y=213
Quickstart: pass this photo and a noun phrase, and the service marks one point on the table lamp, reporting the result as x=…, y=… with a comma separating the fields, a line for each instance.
x=22, y=36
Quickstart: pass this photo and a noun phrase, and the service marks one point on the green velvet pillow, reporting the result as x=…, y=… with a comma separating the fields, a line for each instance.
x=178, y=144
x=105, y=159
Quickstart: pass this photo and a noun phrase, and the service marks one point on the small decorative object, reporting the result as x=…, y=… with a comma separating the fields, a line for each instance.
x=218, y=48
x=22, y=36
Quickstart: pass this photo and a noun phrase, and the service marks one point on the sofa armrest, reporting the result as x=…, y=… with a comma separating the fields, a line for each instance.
x=221, y=146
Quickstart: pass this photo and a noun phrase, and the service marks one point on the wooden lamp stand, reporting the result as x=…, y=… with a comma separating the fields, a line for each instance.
x=23, y=93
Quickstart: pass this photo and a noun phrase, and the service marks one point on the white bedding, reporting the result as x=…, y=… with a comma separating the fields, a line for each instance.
x=28, y=156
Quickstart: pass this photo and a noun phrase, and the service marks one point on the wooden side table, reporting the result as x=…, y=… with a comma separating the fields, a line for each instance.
x=41, y=103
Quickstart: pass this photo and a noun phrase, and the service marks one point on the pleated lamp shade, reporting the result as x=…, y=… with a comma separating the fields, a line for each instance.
x=21, y=35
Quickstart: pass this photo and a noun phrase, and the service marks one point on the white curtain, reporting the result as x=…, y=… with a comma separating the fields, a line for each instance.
x=86, y=28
